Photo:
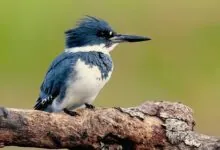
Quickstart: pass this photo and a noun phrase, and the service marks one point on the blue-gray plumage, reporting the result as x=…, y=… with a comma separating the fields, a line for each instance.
x=78, y=74
x=63, y=66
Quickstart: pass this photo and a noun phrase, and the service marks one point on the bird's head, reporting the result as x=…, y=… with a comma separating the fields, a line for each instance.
x=92, y=34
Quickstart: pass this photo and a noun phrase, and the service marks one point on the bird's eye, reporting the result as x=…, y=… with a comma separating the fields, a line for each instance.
x=105, y=34
x=110, y=33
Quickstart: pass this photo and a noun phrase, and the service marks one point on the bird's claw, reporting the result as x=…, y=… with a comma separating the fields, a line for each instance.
x=71, y=113
x=89, y=106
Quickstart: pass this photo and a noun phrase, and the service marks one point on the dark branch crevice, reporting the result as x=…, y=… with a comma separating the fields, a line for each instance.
x=125, y=143
x=55, y=139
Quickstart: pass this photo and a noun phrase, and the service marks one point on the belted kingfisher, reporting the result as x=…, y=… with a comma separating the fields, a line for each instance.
x=78, y=74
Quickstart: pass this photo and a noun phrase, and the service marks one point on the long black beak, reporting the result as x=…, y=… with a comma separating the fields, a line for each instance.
x=119, y=38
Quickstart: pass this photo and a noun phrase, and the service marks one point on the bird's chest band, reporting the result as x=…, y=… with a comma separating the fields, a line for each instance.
x=96, y=63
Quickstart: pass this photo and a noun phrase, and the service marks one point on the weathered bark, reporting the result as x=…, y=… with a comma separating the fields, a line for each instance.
x=152, y=125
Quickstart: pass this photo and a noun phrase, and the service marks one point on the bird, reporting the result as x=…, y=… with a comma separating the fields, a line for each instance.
x=76, y=76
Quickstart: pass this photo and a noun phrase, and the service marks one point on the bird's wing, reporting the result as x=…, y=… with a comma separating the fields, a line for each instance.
x=55, y=78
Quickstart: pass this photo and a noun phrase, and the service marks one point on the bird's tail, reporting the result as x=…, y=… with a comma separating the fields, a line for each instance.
x=38, y=105
x=43, y=104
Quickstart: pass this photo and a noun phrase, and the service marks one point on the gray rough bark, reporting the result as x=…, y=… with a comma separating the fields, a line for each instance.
x=152, y=125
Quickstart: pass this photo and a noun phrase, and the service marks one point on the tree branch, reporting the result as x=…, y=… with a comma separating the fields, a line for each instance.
x=152, y=125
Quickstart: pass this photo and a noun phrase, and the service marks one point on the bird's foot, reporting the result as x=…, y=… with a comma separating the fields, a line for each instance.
x=89, y=106
x=71, y=113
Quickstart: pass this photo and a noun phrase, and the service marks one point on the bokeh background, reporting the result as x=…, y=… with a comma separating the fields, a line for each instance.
x=181, y=63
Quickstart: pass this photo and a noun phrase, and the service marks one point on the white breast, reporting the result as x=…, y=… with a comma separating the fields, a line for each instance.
x=84, y=86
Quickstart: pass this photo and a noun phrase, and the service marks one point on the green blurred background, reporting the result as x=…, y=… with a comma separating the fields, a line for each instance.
x=181, y=63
